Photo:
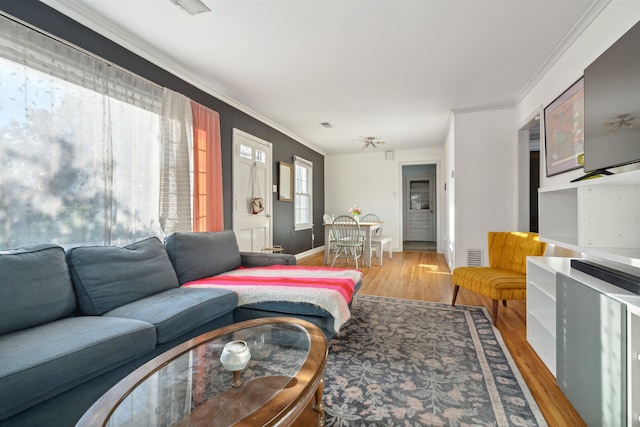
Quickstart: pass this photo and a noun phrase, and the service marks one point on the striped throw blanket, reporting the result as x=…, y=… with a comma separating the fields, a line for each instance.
x=328, y=288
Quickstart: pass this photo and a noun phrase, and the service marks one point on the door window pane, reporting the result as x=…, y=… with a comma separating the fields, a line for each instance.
x=419, y=194
x=246, y=152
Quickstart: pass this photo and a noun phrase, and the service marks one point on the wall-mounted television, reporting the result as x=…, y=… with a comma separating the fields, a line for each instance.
x=612, y=106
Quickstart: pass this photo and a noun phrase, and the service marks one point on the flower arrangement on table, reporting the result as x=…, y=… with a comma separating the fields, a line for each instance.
x=355, y=212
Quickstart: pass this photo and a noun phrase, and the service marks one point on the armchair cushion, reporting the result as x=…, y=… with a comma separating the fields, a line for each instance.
x=495, y=283
x=509, y=250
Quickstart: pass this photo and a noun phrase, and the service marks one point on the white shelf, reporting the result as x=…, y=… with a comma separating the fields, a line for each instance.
x=541, y=305
x=541, y=308
x=546, y=319
x=598, y=217
x=542, y=342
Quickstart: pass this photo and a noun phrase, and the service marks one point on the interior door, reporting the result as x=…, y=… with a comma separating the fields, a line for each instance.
x=252, y=172
x=420, y=209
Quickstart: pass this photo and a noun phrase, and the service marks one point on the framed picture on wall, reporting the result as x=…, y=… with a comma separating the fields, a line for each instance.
x=285, y=187
x=564, y=130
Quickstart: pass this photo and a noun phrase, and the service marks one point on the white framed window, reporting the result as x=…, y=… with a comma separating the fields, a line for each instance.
x=303, y=200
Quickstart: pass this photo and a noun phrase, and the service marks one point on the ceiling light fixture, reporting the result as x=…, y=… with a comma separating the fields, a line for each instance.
x=192, y=7
x=371, y=141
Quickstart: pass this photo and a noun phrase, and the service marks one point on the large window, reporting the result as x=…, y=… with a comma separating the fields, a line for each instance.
x=63, y=178
x=92, y=154
x=303, y=193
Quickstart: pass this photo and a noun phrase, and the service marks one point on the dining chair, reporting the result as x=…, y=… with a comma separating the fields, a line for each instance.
x=370, y=217
x=348, y=240
x=328, y=219
x=378, y=240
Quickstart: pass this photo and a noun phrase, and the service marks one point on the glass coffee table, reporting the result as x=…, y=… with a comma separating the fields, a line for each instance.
x=281, y=384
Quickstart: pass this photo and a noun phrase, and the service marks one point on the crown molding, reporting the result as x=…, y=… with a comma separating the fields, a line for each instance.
x=122, y=37
x=481, y=108
x=587, y=18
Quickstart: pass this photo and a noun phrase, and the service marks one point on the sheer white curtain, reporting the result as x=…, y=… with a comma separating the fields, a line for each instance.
x=176, y=168
x=79, y=145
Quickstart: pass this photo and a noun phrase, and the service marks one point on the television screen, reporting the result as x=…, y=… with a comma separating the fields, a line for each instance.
x=612, y=105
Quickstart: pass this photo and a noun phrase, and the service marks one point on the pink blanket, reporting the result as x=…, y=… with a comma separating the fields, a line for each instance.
x=328, y=288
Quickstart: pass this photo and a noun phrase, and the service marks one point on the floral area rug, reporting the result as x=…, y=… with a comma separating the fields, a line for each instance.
x=413, y=363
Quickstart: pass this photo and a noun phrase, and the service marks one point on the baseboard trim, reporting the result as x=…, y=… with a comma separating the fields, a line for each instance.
x=310, y=252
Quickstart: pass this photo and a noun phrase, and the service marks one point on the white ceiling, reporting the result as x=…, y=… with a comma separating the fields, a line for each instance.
x=392, y=69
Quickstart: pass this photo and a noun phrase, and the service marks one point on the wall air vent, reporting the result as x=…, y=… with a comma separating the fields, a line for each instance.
x=474, y=257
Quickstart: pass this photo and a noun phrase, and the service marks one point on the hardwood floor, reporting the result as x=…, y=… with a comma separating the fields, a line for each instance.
x=425, y=276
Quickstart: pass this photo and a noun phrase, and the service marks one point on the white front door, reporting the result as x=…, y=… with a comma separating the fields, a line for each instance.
x=251, y=178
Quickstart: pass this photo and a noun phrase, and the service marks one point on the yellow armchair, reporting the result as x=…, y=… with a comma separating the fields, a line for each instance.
x=505, y=277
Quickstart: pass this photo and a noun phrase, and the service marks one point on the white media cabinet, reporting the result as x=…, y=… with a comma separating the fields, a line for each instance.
x=601, y=219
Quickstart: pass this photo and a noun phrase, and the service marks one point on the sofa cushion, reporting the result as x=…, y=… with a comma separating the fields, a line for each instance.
x=202, y=254
x=106, y=277
x=34, y=287
x=177, y=311
x=39, y=363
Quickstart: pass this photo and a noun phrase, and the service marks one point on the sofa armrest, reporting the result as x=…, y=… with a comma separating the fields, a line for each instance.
x=259, y=259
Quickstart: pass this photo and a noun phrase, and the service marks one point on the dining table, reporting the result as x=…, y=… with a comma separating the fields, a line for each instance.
x=368, y=228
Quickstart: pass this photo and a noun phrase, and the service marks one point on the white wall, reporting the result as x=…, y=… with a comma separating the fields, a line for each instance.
x=486, y=182
x=485, y=143
x=618, y=17
x=449, y=187
x=374, y=184
x=480, y=148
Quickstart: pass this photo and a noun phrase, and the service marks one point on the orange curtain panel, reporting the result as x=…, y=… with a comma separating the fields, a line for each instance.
x=208, y=210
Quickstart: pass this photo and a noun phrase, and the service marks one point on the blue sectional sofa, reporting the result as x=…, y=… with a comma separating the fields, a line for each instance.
x=74, y=322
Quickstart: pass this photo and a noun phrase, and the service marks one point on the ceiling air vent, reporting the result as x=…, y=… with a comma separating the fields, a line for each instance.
x=474, y=257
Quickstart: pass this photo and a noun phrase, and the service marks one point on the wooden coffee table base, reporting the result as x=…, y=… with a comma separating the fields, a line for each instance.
x=226, y=407
x=313, y=413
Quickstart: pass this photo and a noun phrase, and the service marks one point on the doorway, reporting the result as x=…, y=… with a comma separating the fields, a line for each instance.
x=529, y=174
x=419, y=208
x=252, y=177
